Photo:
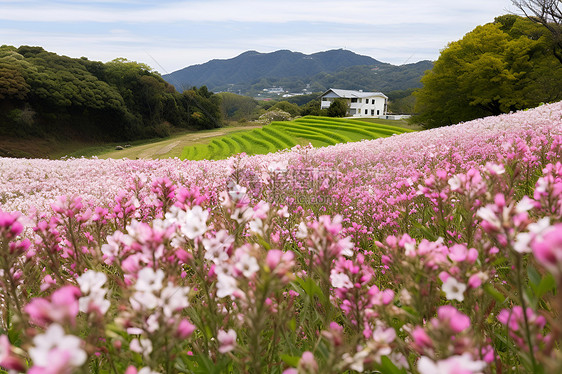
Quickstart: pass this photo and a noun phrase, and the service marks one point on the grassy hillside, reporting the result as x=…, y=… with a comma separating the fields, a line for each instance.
x=319, y=131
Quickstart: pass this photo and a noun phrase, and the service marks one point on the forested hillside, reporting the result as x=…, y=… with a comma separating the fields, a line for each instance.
x=44, y=94
x=251, y=72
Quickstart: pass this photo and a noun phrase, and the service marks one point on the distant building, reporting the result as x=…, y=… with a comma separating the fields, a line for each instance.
x=274, y=90
x=360, y=104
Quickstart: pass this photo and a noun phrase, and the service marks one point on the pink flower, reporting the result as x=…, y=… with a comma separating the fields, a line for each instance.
x=7, y=359
x=421, y=339
x=307, y=363
x=185, y=329
x=548, y=251
x=10, y=227
x=63, y=307
x=227, y=340
x=457, y=321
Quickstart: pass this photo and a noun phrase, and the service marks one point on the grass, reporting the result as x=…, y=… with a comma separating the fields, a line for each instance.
x=319, y=131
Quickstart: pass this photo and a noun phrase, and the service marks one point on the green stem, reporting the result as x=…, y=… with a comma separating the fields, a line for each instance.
x=524, y=306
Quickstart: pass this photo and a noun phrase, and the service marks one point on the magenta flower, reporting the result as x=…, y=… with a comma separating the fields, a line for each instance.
x=10, y=227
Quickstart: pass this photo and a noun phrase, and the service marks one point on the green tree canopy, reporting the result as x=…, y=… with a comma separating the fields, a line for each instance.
x=338, y=108
x=292, y=109
x=121, y=99
x=496, y=68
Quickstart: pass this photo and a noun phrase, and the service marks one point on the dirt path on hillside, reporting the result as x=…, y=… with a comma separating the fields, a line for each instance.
x=172, y=147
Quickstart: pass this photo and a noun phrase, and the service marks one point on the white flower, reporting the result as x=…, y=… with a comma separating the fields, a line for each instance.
x=237, y=192
x=142, y=346
x=524, y=205
x=148, y=282
x=540, y=227
x=454, y=290
x=488, y=215
x=278, y=166
x=192, y=223
x=455, y=182
x=92, y=281
x=357, y=361
x=147, y=370
x=346, y=245
x=246, y=264
x=54, y=343
x=453, y=364
x=302, y=231
x=340, y=280
x=91, y=285
x=216, y=248
x=256, y=226
x=522, y=241
x=226, y=285
x=174, y=298
x=227, y=340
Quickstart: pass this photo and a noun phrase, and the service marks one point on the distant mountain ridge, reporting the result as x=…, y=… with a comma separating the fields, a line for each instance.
x=252, y=71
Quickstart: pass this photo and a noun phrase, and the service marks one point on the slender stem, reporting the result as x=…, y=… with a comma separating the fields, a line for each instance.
x=524, y=306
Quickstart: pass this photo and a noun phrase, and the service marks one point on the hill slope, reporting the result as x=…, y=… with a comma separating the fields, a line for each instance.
x=251, y=72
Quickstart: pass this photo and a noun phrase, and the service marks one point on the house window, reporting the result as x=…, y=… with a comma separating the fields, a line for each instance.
x=366, y=111
x=360, y=100
x=372, y=112
x=354, y=100
x=378, y=112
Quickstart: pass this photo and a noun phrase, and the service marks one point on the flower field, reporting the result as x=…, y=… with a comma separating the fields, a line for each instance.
x=431, y=252
x=318, y=131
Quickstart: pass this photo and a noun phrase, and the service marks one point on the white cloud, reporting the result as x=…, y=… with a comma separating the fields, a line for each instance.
x=264, y=11
x=182, y=33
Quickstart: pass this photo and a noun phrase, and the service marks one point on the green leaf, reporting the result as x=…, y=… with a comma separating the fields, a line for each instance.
x=310, y=287
x=388, y=366
x=292, y=361
x=548, y=283
x=492, y=291
x=425, y=231
x=534, y=276
x=292, y=324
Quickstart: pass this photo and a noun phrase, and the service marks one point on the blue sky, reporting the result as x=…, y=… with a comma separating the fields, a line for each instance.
x=171, y=34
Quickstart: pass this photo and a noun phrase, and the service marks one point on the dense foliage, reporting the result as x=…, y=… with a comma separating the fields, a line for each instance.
x=496, y=68
x=432, y=252
x=43, y=93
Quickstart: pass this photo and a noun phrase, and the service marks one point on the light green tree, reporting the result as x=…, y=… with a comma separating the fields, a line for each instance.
x=496, y=68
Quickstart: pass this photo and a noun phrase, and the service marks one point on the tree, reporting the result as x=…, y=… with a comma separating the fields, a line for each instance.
x=338, y=108
x=494, y=69
x=547, y=13
x=312, y=108
x=237, y=107
x=288, y=107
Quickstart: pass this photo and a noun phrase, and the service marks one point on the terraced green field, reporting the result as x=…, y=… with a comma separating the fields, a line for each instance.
x=319, y=131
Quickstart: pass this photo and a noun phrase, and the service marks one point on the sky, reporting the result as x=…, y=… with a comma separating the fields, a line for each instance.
x=169, y=35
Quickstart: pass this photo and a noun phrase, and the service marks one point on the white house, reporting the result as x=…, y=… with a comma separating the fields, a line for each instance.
x=360, y=104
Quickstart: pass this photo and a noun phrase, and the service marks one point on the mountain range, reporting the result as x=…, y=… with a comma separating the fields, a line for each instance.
x=252, y=72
